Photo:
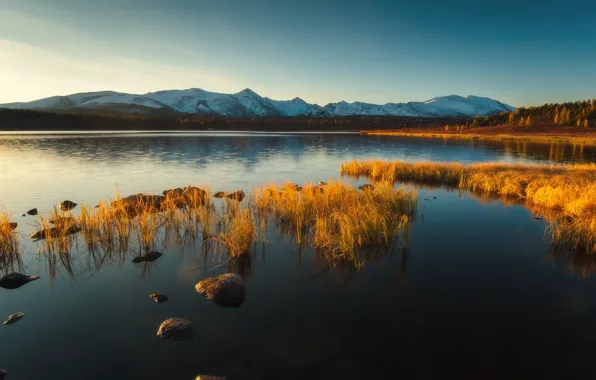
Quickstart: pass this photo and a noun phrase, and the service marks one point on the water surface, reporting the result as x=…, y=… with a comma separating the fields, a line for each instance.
x=477, y=291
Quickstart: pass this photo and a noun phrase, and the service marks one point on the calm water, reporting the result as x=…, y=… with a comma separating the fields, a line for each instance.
x=479, y=293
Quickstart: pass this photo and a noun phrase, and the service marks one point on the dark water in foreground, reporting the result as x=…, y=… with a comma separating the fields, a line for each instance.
x=479, y=293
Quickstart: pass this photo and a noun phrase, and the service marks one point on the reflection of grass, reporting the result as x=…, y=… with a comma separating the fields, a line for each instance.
x=566, y=195
x=10, y=250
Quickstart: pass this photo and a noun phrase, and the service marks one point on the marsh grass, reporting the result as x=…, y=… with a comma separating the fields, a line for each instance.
x=337, y=219
x=543, y=139
x=564, y=194
x=10, y=248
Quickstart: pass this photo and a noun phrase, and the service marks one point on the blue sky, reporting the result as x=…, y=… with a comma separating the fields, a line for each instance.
x=520, y=52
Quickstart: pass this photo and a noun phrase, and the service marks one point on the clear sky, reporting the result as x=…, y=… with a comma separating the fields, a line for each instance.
x=520, y=52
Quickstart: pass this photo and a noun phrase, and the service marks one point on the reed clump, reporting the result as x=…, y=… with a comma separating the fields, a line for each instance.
x=336, y=218
x=10, y=249
x=566, y=194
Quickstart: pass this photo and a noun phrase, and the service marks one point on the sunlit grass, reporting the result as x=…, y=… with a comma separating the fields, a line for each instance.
x=10, y=248
x=545, y=139
x=565, y=194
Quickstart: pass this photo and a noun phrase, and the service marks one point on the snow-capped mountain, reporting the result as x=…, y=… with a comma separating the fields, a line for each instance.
x=249, y=103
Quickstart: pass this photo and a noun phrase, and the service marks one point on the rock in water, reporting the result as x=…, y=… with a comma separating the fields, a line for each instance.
x=12, y=226
x=226, y=290
x=205, y=377
x=236, y=195
x=151, y=256
x=67, y=205
x=54, y=232
x=15, y=280
x=14, y=318
x=177, y=329
x=219, y=194
x=33, y=211
x=321, y=183
x=367, y=187
x=158, y=298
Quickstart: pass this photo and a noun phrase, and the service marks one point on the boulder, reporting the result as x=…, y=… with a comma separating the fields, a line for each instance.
x=236, y=195
x=158, y=298
x=15, y=280
x=177, y=329
x=56, y=232
x=67, y=205
x=226, y=290
x=219, y=194
x=151, y=256
x=33, y=211
x=14, y=318
x=12, y=226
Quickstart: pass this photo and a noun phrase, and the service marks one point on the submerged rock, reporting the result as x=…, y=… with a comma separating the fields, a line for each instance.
x=151, y=256
x=15, y=280
x=177, y=329
x=55, y=232
x=366, y=187
x=206, y=377
x=236, y=195
x=158, y=298
x=219, y=194
x=67, y=205
x=137, y=203
x=226, y=290
x=33, y=211
x=14, y=318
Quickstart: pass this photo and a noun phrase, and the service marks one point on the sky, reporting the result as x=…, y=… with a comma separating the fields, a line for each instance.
x=519, y=52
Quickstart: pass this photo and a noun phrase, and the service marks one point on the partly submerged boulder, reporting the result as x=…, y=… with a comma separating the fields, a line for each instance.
x=55, y=232
x=158, y=298
x=177, y=329
x=14, y=318
x=138, y=203
x=236, y=195
x=15, y=280
x=67, y=205
x=33, y=211
x=151, y=256
x=226, y=290
x=219, y=194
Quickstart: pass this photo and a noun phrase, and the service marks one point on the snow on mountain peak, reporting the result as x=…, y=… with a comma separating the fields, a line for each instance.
x=249, y=103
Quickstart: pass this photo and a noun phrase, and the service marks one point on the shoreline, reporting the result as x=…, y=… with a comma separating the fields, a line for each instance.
x=542, y=134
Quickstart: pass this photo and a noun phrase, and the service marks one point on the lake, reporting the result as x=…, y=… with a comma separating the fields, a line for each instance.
x=478, y=292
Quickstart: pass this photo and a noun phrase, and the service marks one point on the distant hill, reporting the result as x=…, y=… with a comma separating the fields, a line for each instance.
x=247, y=103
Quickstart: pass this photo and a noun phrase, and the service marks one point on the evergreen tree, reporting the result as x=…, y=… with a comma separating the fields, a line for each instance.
x=557, y=118
x=529, y=121
x=522, y=122
x=586, y=124
x=510, y=118
x=579, y=122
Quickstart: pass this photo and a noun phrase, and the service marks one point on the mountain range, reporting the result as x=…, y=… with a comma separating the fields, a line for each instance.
x=248, y=103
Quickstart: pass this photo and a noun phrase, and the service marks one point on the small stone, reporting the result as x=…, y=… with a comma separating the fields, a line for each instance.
x=177, y=329
x=226, y=290
x=158, y=298
x=33, y=211
x=14, y=318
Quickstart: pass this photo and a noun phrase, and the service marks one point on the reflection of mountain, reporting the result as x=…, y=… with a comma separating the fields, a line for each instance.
x=249, y=150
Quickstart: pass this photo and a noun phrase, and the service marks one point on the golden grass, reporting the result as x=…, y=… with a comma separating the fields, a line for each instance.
x=545, y=139
x=565, y=194
x=10, y=249
x=338, y=219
